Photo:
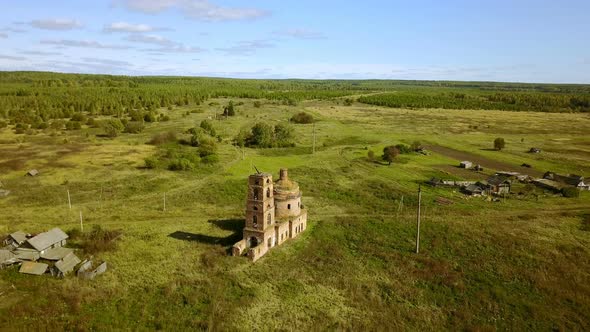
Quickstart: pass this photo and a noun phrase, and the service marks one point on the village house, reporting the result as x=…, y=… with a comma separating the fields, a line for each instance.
x=274, y=214
x=16, y=239
x=51, y=239
x=473, y=190
x=498, y=185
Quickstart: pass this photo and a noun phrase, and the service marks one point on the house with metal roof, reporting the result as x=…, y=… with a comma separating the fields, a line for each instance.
x=51, y=239
x=7, y=258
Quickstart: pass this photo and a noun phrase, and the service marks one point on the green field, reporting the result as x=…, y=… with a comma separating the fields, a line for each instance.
x=519, y=264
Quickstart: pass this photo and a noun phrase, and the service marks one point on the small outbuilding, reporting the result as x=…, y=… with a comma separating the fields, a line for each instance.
x=499, y=185
x=7, y=258
x=466, y=164
x=33, y=172
x=15, y=239
x=535, y=150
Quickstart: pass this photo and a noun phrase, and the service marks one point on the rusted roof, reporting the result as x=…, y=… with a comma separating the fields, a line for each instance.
x=33, y=268
x=56, y=254
x=68, y=263
x=47, y=239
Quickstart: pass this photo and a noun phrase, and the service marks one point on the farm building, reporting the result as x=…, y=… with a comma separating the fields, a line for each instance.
x=274, y=214
x=548, y=184
x=466, y=164
x=498, y=185
x=33, y=268
x=7, y=258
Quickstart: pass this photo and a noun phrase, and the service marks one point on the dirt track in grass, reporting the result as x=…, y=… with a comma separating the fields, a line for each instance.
x=486, y=163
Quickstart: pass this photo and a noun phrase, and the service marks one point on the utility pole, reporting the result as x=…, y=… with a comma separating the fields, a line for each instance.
x=418, y=219
x=81, y=222
x=313, y=148
x=69, y=200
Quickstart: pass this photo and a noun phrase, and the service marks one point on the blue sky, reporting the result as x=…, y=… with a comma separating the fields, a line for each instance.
x=499, y=40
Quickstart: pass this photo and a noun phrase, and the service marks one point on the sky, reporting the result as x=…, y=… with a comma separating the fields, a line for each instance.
x=468, y=40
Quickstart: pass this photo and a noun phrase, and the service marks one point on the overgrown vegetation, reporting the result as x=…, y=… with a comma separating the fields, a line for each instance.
x=302, y=118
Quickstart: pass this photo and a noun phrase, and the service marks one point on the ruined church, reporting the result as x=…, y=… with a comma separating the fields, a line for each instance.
x=274, y=214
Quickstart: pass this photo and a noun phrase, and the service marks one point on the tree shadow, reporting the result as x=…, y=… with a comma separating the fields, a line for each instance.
x=234, y=225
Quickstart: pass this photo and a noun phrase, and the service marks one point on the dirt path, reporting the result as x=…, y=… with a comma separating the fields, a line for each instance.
x=486, y=163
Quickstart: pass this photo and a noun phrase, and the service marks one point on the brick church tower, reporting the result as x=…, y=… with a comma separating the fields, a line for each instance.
x=263, y=231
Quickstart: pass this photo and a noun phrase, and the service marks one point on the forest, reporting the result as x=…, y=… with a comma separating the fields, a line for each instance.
x=31, y=99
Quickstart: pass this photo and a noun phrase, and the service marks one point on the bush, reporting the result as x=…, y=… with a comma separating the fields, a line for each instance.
x=163, y=138
x=210, y=159
x=207, y=126
x=181, y=164
x=73, y=125
x=112, y=127
x=80, y=117
x=42, y=125
x=207, y=147
x=91, y=122
x=229, y=110
x=499, y=143
x=165, y=118
x=257, y=104
x=149, y=117
x=151, y=162
x=134, y=127
x=302, y=118
x=416, y=146
x=348, y=102
x=403, y=149
x=570, y=192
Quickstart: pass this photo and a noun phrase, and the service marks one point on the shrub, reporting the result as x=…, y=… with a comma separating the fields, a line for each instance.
x=42, y=125
x=112, y=127
x=149, y=117
x=416, y=145
x=181, y=164
x=262, y=135
x=151, y=162
x=302, y=118
x=91, y=122
x=163, y=138
x=570, y=192
x=165, y=118
x=229, y=110
x=257, y=104
x=348, y=102
x=80, y=117
x=73, y=125
x=210, y=159
x=499, y=143
x=403, y=149
x=134, y=127
x=207, y=147
x=207, y=126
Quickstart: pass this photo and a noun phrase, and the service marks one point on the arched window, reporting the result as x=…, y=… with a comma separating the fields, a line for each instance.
x=255, y=208
x=256, y=193
x=270, y=242
x=268, y=219
x=268, y=192
x=255, y=220
x=267, y=180
x=289, y=206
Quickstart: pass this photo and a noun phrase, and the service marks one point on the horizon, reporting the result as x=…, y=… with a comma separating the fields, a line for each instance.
x=537, y=42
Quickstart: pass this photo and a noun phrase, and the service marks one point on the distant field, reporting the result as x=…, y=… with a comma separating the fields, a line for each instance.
x=519, y=264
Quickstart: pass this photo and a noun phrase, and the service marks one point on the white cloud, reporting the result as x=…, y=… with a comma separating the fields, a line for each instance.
x=301, y=34
x=10, y=57
x=131, y=28
x=83, y=44
x=176, y=49
x=56, y=24
x=39, y=53
x=151, y=39
x=246, y=47
x=108, y=62
x=195, y=9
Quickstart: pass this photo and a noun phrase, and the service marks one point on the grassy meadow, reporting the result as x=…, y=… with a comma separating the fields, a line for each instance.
x=519, y=264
